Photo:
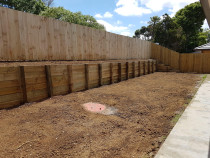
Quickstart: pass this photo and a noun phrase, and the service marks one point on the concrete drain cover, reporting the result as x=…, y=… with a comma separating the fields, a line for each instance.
x=99, y=108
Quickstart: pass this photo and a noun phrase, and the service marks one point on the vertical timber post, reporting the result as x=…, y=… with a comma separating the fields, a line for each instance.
x=127, y=70
x=139, y=65
x=70, y=76
x=100, y=74
x=49, y=80
x=23, y=84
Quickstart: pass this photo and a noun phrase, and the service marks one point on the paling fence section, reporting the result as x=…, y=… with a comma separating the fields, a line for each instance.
x=185, y=62
x=196, y=62
x=23, y=84
x=166, y=56
x=28, y=37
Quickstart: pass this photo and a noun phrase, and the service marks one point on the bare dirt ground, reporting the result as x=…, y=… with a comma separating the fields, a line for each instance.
x=60, y=127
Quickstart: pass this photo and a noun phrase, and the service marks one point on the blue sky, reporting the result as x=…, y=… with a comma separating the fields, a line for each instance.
x=124, y=16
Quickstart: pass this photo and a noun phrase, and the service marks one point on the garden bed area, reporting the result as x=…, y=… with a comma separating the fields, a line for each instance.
x=147, y=108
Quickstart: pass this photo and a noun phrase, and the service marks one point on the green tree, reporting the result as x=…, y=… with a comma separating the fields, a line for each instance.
x=153, y=26
x=191, y=19
x=48, y=3
x=30, y=6
x=143, y=33
x=168, y=33
x=207, y=32
x=77, y=18
x=163, y=31
x=204, y=36
x=149, y=32
x=181, y=33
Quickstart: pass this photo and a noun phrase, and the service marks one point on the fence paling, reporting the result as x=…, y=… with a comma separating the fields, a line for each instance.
x=30, y=37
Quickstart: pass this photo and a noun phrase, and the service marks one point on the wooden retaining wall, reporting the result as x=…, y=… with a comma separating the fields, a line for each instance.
x=24, y=84
x=28, y=37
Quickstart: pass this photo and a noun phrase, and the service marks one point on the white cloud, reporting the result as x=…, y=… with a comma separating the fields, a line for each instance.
x=130, y=8
x=131, y=25
x=98, y=16
x=141, y=7
x=106, y=15
x=205, y=25
x=112, y=28
x=123, y=30
x=172, y=5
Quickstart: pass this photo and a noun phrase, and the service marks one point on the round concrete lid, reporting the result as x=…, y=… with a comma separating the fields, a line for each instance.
x=94, y=107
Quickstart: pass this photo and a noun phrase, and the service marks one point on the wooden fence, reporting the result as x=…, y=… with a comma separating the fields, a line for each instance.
x=28, y=37
x=188, y=62
x=23, y=84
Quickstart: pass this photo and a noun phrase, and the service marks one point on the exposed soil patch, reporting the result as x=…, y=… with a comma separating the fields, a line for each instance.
x=60, y=127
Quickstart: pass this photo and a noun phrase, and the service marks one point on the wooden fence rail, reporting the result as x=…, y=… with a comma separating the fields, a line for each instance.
x=23, y=84
x=28, y=37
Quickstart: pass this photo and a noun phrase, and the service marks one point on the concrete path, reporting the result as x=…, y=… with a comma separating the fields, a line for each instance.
x=191, y=135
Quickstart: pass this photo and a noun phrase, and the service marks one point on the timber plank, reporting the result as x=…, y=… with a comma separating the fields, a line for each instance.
x=123, y=71
x=11, y=97
x=34, y=75
x=30, y=69
x=115, y=71
x=36, y=87
x=37, y=95
x=78, y=77
x=93, y=77
x=9, y=77
x=8, y=70
x=8, y=84
x=130, y=70
x=60, y=80
x=60, y=90
x=10, y=104
x=32, y=81
x=9, y=90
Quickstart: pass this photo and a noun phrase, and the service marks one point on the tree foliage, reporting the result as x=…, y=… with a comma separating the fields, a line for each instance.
x=163, y=31
x=42, y=7
x=77, y=18
x=30, y=6
x=181, y=33
x=191, y=19
x=48, y=3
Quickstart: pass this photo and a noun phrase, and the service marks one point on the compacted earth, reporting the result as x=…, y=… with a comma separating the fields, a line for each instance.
x=147, y=109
